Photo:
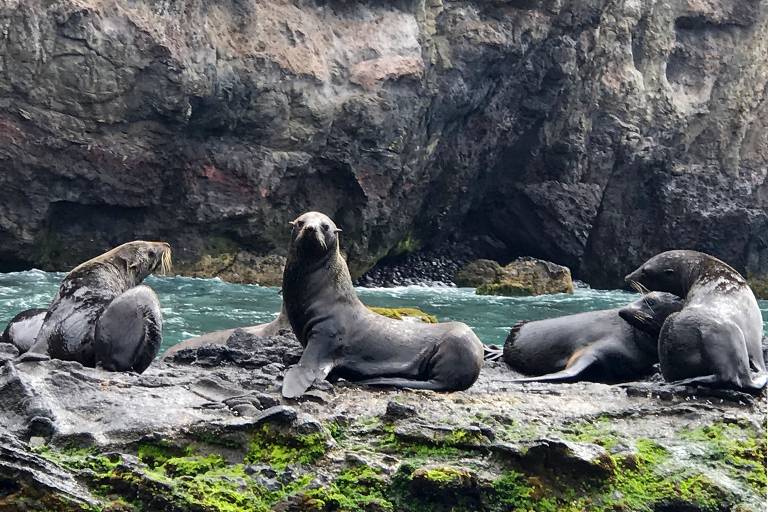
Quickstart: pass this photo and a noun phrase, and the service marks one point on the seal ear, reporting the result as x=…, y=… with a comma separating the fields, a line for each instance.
x=292, y=222
x=337, y=230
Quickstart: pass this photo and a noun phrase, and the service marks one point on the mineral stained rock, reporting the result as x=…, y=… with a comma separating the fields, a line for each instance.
x=589, y=133
x=208, y=431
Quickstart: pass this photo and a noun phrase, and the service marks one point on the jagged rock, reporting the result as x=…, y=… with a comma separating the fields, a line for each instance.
x=529, y=276
x=578, y=458
x=479, y=272
x=30, y=482
x=444, y=480
x=593, y=134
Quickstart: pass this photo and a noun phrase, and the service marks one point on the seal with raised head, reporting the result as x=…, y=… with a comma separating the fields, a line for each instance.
x=102, y=315
x=22, y=330
x=342, y=338
x=612, y=345
x=715, y=340
x=220, y=337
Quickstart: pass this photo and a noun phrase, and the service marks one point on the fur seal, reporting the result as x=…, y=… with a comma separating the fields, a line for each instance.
x=342, y=338
x=716, y=339
x=101, y=317
x=611, y=346
x=22, y=330
x=221, y=337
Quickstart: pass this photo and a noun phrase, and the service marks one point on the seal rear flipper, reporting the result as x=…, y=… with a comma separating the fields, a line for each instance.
x=396, y=382
x=492, y=352
x=129, y=332
x=753, y=385
x=573, y=373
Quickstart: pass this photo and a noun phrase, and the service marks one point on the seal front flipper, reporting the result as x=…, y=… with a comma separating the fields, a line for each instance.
x=573, y=373
x=753, y=385
x=129, y=331
x=315, y=365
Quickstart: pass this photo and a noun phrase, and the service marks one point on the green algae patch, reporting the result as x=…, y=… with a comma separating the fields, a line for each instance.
x=269, y=445
x=598, y=431
x=739, y=446
x=359, y=488
x=401, y=313
x=505, y=288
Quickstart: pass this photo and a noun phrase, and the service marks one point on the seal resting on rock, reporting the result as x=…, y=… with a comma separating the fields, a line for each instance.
x=612, y=345
x=22, y=330
x=220, y=337
x=716, y=339
x=102, y=316
x=342, y=338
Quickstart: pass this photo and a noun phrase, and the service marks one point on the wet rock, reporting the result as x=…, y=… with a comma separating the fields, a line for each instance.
x=396, y=410
x=29, y=482
x=479, y=272
x=238, y=267
x=568, y=457
x=445, y=482
x=529, y=276
x=8, y=352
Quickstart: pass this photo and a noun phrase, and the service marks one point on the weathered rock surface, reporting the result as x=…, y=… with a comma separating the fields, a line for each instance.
x=522, y=277
x=211, y=432
x=589, y=133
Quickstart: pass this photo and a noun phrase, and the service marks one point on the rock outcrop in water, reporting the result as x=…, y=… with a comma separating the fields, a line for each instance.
x=209, y=431
x=590, y=133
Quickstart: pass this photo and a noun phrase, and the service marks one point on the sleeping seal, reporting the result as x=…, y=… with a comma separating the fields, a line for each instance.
x=342, y=338
x=611, y=346
x=716, y=339
x=101, y=317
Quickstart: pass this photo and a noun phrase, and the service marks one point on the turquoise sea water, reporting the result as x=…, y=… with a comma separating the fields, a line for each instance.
x=195, y=306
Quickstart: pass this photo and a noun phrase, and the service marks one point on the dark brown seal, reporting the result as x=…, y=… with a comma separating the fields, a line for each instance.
x=716, y=339
x=613, y=345
x=342, y=338
x=101, y=316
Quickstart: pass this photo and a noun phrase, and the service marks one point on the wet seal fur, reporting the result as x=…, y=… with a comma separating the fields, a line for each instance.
x=610, y=346
x=342, y=338
x=22, y=330
x=102, y=315
x=716, y=339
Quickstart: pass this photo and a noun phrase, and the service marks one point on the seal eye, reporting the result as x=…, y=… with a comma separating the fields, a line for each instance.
x=326, y=227
x=299, y=224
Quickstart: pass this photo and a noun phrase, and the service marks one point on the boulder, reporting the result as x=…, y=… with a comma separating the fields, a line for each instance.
x=529, y=276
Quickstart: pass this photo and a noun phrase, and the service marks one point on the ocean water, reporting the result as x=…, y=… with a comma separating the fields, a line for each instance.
x=195, y=306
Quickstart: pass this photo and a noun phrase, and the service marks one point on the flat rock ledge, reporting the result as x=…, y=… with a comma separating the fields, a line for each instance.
x=209, y=431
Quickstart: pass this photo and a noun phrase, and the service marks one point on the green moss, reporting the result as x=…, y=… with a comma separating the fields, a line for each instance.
x=445, y=476
x=598, y=431
x=506, y=288
x=513, y=491
x=355, y=489
x=449, y=446
x=191, y=466
x=741, y=447
x=155, y=454
x=399, y=313
x=271, y=446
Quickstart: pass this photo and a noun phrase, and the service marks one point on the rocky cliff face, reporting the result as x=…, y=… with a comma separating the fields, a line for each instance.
x=590, y=133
